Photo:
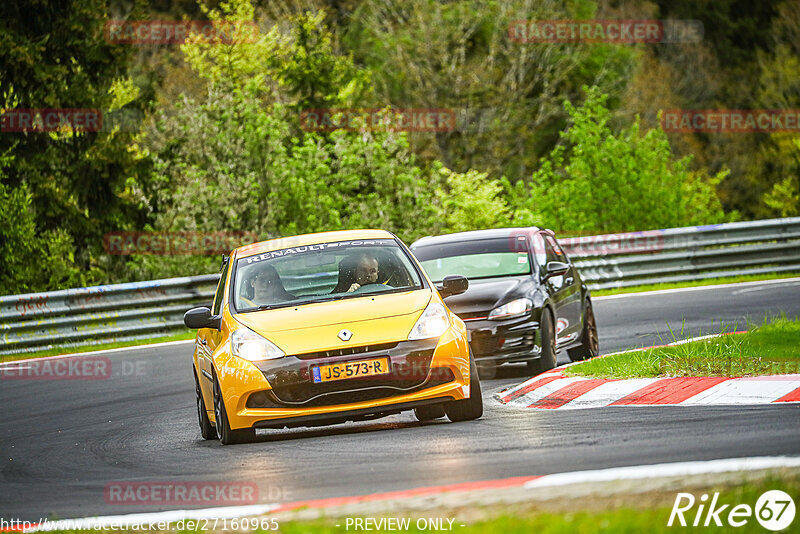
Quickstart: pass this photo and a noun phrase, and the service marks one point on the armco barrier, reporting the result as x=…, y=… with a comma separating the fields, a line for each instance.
x=121, y=312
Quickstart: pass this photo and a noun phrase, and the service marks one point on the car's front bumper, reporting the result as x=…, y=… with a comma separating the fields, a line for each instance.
x=497, y=342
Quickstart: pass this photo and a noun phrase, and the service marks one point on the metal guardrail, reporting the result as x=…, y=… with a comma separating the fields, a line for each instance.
x=687, y=254
x=122, y=312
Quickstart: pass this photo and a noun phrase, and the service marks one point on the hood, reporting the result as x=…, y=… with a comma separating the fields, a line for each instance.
x=372, y=320
x=484, y=295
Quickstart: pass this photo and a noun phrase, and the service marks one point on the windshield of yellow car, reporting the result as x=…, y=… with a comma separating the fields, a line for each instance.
x=321, y=272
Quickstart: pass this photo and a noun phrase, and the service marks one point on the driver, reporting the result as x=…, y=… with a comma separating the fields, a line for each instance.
x=366, y=272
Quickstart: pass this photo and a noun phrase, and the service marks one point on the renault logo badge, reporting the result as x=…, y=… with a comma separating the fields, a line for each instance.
x=345, y=335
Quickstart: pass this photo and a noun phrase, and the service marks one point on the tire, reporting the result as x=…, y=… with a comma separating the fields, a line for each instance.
x=471, y=408
x=207, y=430
x=429, y=413
x=547, y=359
x=226, y=435
x=590, y=346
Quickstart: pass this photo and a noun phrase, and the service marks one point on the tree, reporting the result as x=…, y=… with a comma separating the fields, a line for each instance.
x=599, y=181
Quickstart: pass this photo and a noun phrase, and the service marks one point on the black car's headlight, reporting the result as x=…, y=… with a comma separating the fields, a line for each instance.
x=515, y=308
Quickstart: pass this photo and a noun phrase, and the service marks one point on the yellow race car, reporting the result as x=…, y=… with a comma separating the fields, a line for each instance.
x=326, y=328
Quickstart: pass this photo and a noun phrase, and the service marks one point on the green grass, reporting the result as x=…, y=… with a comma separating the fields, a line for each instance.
x=768, y=349
x=57, y=351
x=613, y=514
x=695, y=283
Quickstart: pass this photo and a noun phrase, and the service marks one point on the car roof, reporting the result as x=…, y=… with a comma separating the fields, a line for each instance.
x=474, y=235
x=309, y=239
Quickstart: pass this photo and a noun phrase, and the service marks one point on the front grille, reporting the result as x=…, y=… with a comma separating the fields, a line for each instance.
x=473, y=315
x=345, y=352
x=483, y=343
x=438, y=376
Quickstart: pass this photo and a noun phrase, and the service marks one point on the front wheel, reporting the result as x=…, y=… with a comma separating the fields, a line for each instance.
x=226, y=435
x=547, y=358
x=471, y=408
x=590, y=346
x=207, y=430
x=429, y=413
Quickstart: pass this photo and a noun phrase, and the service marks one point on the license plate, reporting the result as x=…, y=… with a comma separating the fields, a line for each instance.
x=345, y=370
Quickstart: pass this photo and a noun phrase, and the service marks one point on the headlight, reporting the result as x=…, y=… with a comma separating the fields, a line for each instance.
x=432, y=323
x=512, y=309
x=248, y=345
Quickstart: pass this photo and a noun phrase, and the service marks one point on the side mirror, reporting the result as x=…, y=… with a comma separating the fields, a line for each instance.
x=201, y=318
x=555, y=268
x=453, y=284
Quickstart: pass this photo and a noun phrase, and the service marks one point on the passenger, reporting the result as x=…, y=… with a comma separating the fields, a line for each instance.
x=265, y=287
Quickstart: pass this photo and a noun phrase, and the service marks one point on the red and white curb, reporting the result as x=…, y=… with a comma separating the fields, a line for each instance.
x=555, y=390
x=345, y=504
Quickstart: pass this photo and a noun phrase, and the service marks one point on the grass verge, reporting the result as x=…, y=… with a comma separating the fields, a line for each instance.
x=695, y=283
x=768, y=349
x=57, y=351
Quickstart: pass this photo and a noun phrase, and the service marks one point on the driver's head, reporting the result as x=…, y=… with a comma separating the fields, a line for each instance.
x=366, y=270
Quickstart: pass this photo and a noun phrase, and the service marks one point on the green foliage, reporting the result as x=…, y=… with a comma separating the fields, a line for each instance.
x=30, y=260
x=470, y=201
x=459, y=55
x=596, y=180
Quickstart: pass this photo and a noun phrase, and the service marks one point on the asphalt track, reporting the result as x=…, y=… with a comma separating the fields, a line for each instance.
x=63, y=441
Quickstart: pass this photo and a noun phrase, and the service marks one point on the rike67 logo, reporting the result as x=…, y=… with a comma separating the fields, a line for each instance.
x=774, y=510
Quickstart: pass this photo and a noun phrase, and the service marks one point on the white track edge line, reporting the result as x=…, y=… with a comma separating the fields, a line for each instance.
x=664, y=470
x=103, y=351
x=694, y=288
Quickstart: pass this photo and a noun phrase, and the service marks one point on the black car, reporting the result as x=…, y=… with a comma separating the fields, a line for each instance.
x=525, y=299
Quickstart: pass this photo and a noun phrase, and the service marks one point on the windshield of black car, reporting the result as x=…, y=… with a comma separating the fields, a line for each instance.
x=480, y=258
x=321, y=272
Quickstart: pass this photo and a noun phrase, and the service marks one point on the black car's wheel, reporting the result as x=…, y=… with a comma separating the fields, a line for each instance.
x=590, y=345
x=547, y=360
x=471, y=408
x=429, y=413
x=226, y=435
x=207, y=430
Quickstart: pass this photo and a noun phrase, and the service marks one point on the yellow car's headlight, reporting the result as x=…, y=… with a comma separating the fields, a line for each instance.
x=433, y=322
x=248, y=345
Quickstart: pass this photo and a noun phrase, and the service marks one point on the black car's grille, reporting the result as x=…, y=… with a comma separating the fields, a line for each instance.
x=483, y=343
x=473, y=315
